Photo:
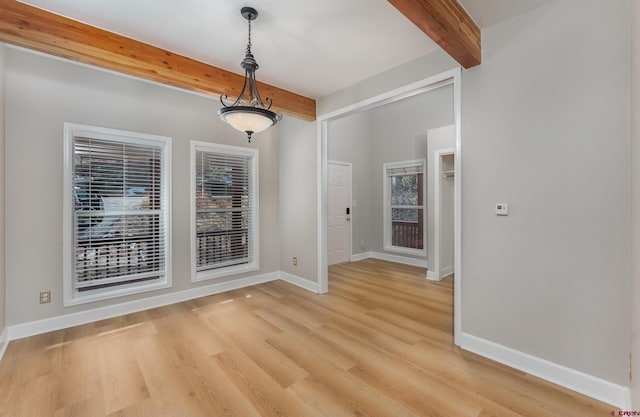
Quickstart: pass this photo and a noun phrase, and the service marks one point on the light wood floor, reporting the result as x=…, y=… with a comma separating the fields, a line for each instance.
x=379, y=344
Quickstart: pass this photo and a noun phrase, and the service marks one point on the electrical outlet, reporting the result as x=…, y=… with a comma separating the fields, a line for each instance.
x=45, y=297
x=295, y=261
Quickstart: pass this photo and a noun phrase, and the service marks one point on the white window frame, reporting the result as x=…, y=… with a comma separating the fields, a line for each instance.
x=254, y=264
x=387, y=209
x=70, y=295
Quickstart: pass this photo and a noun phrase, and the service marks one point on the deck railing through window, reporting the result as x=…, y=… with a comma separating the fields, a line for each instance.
x=407, y=234
x=231, y=245
x=108, y=262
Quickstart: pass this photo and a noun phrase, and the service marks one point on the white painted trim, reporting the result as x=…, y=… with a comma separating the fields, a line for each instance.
x=360, y=256
x=452, y=76
x=400, y=93
x=4, y=341
x=437, y=274
x=400, y=259
x=605, y=391
x=70, y=296
x=391, y=258
x=254, y=157
x=431, y=276
x=386, y=207
x=349, y=165
x=406, y=251
x=446, y=271
x=457, y=185
x=299, y=282
x=322, y=212
x=19, y=331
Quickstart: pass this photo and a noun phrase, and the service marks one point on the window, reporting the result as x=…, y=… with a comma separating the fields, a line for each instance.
x=225, y=210
x=116, y=213
x=404, y=213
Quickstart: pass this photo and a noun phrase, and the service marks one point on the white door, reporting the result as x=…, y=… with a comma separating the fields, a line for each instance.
x=339, y=202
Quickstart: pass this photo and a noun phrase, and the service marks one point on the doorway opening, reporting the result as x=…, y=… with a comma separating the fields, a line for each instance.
x=451, y=77
x=443, y=264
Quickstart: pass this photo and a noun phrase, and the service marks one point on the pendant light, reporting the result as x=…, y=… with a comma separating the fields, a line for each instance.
x=248, y=113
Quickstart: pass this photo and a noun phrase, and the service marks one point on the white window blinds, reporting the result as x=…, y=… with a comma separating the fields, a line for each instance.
x=405, y=170
x=119, y=212
x=225, y=208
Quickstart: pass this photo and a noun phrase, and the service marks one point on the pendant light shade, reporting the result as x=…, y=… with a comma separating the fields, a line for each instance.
x=248, y=113
x=248, y=119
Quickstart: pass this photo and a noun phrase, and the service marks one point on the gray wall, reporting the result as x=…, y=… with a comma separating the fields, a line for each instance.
x=390, y=133
x=635, y=180
x=546, y=129
x=298, y=207
x=399, y=133
x=2, y=192
x=41, y=94
x=415, y=70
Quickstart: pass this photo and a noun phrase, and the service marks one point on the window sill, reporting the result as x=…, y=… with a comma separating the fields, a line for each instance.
x=406, y=251
x=213, y=274
x=106, y=294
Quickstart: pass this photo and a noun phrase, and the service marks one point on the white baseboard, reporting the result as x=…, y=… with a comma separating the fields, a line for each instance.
x=391, y=258
x=399, y=259
x=4, y=341
x=299, y=282
x=360, y=256
x=605, y=391
x=446, y=271
x=591, y=386
x=19, y=331
x=431, y=276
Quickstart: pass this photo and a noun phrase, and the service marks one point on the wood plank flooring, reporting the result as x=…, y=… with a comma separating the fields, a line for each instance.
x=379, y=344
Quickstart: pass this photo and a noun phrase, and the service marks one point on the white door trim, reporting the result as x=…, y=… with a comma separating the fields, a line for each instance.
x=434, y=272
x=451, y=77
x=350, y=198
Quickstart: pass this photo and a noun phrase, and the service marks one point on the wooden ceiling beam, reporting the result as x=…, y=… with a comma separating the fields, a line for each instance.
x=448, y=24
x=33, y=28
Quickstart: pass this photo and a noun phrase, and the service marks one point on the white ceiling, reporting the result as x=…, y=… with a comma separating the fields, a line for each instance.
x=310, y=47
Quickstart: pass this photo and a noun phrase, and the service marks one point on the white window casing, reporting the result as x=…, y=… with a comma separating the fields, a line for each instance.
x=116, y=225
x=404, y=214
x=224, y=210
